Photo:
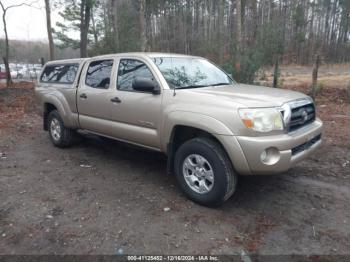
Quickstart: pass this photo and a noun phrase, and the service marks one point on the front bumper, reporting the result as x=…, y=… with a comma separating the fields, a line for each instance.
x=283, y=151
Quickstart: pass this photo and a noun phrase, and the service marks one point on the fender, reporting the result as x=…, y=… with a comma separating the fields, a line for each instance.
x=59, y=101
x=191, y=119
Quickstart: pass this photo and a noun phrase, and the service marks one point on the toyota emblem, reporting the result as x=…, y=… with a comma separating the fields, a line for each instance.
x=304, y=116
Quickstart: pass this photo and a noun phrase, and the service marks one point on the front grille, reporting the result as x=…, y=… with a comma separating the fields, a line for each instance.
x=308, y=144
x=302, y=116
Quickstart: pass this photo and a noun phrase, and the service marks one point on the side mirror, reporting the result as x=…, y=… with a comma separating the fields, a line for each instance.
x=145, y=85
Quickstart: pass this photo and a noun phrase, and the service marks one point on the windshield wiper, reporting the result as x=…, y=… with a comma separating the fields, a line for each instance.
x=197, y=86
x=191, y=86
x=221, y=84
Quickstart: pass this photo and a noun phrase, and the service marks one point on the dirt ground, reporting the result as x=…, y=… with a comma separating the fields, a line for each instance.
x=103, y=197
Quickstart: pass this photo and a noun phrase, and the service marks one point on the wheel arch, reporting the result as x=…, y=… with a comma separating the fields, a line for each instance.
x=52, y=102
x=179, y=135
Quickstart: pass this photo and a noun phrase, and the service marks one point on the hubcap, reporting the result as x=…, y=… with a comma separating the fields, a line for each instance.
x=55, y=129
x=198, y=173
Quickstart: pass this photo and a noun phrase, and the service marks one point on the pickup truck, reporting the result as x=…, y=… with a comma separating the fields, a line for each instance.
x=211, y=128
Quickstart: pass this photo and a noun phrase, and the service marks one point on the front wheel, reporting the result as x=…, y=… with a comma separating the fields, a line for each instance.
x=60, y=135
x=204, y=172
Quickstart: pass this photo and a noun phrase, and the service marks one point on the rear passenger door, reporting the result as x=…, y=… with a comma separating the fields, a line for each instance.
x=94, y=95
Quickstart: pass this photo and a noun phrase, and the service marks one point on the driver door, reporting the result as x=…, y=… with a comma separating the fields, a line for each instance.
x=137, y=114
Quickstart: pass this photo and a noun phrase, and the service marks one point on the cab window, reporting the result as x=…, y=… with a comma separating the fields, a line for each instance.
x=59, y=73
x=128, y=70
x=99, y=74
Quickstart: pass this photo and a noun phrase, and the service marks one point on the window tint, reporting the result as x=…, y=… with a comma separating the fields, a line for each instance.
x=64, y=74
x=99, y=74
x=128, y=70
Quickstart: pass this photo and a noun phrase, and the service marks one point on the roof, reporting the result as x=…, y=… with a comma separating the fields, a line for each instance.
x=140, y=54
x=66, y=61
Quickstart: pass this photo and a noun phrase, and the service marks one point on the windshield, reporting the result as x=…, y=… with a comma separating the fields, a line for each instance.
x=188, y=72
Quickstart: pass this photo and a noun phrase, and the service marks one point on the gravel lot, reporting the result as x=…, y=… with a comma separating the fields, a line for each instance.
x=104, y=197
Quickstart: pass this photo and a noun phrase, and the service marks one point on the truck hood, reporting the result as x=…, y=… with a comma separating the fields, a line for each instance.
x=249, y=95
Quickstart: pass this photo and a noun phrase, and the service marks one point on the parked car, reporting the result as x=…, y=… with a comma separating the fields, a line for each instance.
x=19, y=71
x=34, y=71
x=2, y=72
x=210, y=127
x=14, y=74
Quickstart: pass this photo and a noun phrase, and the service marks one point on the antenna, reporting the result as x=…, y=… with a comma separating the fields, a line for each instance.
x=171, y=62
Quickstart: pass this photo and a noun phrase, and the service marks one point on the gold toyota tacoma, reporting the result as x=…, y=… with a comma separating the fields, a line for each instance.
x=210, y=127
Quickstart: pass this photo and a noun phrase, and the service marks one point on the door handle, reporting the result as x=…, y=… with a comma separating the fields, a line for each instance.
x=83, y=96
x=116, y=100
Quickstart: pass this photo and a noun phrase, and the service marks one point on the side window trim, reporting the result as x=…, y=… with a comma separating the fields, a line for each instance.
x=80, y=68
x=112, y=60
x=56, y=82
x=138, y=60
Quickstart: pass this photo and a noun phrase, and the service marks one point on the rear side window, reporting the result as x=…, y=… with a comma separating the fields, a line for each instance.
x=99, y=74
x=64, y=74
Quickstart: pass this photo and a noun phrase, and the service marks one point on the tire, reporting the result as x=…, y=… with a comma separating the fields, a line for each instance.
x=209, y=155
x=60, y=136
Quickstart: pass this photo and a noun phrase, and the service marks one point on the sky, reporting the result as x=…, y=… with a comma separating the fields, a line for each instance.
x=26, y=23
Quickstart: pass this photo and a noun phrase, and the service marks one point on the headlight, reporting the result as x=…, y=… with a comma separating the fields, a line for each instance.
x=262, y=119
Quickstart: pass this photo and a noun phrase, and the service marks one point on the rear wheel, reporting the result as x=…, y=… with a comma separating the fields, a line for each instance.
x=60, y=135
x=204, y=172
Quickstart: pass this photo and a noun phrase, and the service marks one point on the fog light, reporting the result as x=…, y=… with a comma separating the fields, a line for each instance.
x=270, y=156
x=263, y=156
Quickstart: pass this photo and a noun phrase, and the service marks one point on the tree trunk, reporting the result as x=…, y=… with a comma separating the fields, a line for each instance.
x=314, y=77
x=85, y=13
x=114, y=18
x=49, y=30
x=94, y=30
x=238, y=39
x=255, y=20
x=143, y=26
x=220, y=38
x=311, y=41
x=7, y=51
x=276, y=74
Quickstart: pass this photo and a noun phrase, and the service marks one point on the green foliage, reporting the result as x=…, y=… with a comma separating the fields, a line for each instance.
x=290, y=30
x=72, y=20
x=71, y=17
x=264, y=51
x=128, y=29
x=251, y=61
x=270, y=43
x=299, y=16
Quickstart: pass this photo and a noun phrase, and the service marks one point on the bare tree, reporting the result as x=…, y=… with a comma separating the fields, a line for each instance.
x=7, y=45
x=238, y=34
x=85, y=16
x=143, y=26
x=49, y=29
x=314, y=86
